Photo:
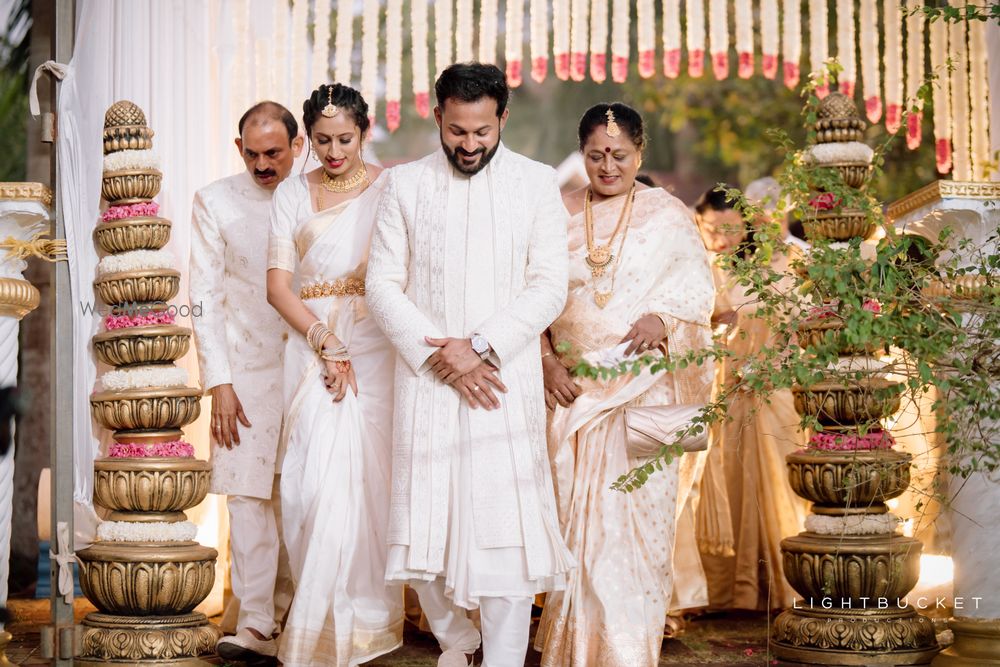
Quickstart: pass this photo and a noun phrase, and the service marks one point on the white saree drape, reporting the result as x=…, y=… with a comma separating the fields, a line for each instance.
x=615, y=605
x=335, y=473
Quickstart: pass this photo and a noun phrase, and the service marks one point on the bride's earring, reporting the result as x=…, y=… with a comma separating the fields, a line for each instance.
x=312, y=151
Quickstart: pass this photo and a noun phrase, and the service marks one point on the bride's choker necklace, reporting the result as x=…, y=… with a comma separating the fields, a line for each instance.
x=330, y=184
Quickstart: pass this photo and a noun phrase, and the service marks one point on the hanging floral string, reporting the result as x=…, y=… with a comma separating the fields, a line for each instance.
x=300, y=25
x=578, y=38
x=539, y=39
x=958, y=51
x=280, y=56
x=941, y=96
x=488, y=31
x=345, y=41
x=393, y=62
x=463, y=31
x=695, y=37
x=645, y=17
x=514, y=42
x=819, y=46
x=369, y=55
x=418, y=43
x=718, y=37
x=893, y=25
x=979, y=80
x=744, y=38
x=598, y=40
x=320, y=70
x=561, y=20
x=871, y=80
x=914, y=71
x=846, y=47
x=443, y=13
x=621, y=18
x=769, y=37
x=671, y=38
x=791, y=41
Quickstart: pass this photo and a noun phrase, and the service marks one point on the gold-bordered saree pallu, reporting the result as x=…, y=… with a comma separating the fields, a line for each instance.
x=337, y=459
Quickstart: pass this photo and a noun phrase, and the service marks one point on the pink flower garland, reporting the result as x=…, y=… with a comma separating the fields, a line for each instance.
x=837, y=442
x=124, y=211
x=112, y=321
x=134, y=450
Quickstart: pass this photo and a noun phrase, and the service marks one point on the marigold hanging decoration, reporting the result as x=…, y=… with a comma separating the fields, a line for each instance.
x=671, y=38
x=488, y=31
x=718, y=37
x=871, y=79
x=578, y=39
x=846, y=47
x=769, y=38
x=819, y=47
x=791, y=41
x=514, y=42
x=561, y=20
x=393, y=62
x=979, y=80
x=344, y=42
x=369, y=55
x=941, y=96
x=914, y=72
x=645, y=17
x=443, y=37
x=621, y=18
x=598, y=40
x=539, y=39
x=744, y=38
x=695, y=37
x=893, y=25
x=418, y=40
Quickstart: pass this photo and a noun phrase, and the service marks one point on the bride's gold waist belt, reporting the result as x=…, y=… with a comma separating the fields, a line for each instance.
x=338, y=287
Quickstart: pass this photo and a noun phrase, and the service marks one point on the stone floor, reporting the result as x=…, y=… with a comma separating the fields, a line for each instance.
x=733, y=639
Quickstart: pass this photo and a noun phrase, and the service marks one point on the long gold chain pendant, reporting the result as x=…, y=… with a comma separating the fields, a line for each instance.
x=601, y=298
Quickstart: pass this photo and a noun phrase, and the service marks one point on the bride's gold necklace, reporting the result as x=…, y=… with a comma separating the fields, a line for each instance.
x=599, y=257
x=330, y=184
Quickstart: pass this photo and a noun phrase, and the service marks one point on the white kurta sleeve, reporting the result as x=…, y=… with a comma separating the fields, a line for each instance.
x=281, y=252
x=517, y=326
x=207, y=287
x=386, y=282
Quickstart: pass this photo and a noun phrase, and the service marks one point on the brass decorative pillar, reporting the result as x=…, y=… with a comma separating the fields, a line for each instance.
x=969, y=213
x=145, y=574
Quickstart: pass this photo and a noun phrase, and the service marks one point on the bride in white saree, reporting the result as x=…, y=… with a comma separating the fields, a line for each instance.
x=339, y=371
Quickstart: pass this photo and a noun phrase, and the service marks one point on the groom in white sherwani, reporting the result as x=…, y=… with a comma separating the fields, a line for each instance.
x=468, y=266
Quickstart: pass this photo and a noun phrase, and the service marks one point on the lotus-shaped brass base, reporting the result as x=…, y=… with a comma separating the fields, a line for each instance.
x=838, y=226
x=130, y=186
x=141, y=579
x=179, y=641
x=139, y=233
x=859, y=402
x=863, y=636
x=861, y=479
x=143, y=286
x=156, y=408
x=130, y=346
x=150, y=484
x=851, y=568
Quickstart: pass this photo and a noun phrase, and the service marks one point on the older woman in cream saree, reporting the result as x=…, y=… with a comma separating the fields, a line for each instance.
x=337, y=457
x=614, y=608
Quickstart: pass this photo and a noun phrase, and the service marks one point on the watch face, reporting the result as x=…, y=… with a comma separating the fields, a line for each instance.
x=479, y=344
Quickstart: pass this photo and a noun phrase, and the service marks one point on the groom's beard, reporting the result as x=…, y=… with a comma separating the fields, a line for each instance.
x=453, y=157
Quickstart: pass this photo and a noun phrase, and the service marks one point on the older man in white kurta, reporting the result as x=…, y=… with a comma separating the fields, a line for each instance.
x=472, y=517
x=240, y=342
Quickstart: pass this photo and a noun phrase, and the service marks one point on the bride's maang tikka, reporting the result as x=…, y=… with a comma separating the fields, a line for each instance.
x=613, y=130
x=331, y=109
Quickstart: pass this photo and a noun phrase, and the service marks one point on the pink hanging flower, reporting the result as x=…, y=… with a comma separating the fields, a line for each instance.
x=791, y=74
x=913, y=130
x=672, y=63
x=539, y=68
x=562, y=66
x=873, y=108
x=598, y=67
x=647, y=63
x=943, y=154
x=696, y=63
x=422, y=101
x=847, y=87
x=720, y=65
x=769, y=65
x=514, y=73
x=745, y=66
x=392, y=115
x=619, y=68
x=578, y=66
x=893, y=118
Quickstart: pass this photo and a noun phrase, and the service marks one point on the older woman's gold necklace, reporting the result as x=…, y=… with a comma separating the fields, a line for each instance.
x=624, y=221
x=600, y=256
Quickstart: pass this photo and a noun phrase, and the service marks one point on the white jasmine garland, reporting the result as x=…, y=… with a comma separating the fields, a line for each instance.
x=156, y=531
x=645, y=32
x=418, y=41
x=834, y=152
x=393, y=62
x=958, y=51
x=561, y=28
x=846, y=47
x=791, y=41
x=743, y=9
x=854, y=524
x=321, y=45
x=621, y=19
x=718, y=36
x=579, y=37
x=695, y=38
x=914, y=69
x=671, y=38
x=345, y=42
x=941, y=95
x=979, y=80
x=540, y=38
x=871, y=81
x=128, y=160
x=143, y=377
x=514, y=42
x=488, y=31
x=769, y=37
x=819, y=47
x=136, y=260
x=443, y=20
x=463, y=31
x=300, y=24
x=369, y=54
x=893, y=22
x=598, y=40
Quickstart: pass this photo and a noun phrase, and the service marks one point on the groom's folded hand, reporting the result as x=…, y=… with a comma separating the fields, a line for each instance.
x=454, y=358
